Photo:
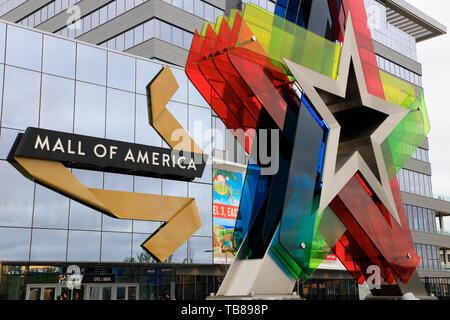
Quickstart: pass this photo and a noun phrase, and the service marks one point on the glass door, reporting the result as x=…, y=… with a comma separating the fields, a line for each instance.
x=41, y=292
x=126, y=292
x=99, y=292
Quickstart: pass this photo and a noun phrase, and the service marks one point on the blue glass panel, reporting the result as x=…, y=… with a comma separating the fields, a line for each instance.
x=48, y=245
x=83, y=246
x=300, y=207
x=15, y=244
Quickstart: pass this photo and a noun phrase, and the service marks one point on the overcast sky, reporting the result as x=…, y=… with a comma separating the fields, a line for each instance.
x=434, y=55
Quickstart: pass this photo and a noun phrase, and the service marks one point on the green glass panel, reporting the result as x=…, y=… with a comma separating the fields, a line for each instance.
x=411, y=131
x=280, y=38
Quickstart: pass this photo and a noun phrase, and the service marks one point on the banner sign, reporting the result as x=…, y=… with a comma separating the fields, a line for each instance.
x=227, y=188
x=83, y=152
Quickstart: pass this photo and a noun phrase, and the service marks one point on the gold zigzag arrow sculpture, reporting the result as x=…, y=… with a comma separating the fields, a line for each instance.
x=180, y=214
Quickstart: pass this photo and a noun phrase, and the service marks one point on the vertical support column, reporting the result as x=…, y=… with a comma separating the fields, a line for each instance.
x=445, y=256
x=441, y=222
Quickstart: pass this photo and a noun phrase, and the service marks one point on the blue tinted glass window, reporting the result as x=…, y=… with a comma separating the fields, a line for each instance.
x=2, y=42
x=48, y=245
x=91, y=64
x=15, y=244
x=195, y=97
x=200, y=250
x=83, y=246
x=179, y=256
x=90, y=107
x=147, y=227
x=57, y=103
x=181, y=94
x=147, y=185
x=146, y=71
x=139, y=254
x=116, y=247
x=200, y=127
x=59, y=57
x=120, y=116
x=16, y=197
x=174, y=188
x=7, y=138
x=145, y=133
x=21, y=102
x=24, y=48
x=51, y=210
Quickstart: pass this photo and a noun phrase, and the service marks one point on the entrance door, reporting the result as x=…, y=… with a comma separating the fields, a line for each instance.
x=98, y=292
x=126, y=292
x=111, y=291
x=41, y=292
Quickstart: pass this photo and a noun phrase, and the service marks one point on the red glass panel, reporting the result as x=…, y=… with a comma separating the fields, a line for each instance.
x=203, y=86
x=267, y=81
x=383, y=242
x=365, y=45
x=217, y=82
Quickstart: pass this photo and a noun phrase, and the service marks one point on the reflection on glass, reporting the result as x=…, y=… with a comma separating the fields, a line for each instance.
x=91, y=64
x=91, y=179
x=141, y=226
x=59, y=57
x=174, y=188
x=16, y=197
x=147, y=185
x=48, y=245
x=114, y=224
x=146, y=71
x=2, y=42
x=7, y=138
x=24, y=48
x=57, y=102
x=84, y=218
x=200, y=127
x=15, y=244
x=200, y=250
x=181, y=94
x=21, y=102
x=207, y=175
x=179, y=256
x=90, y=108
x=116, y=247
x=180, y=112
x=118, y=182
x=139, y=254
x=202, y=193
x=145, y=133
x=51, y=209
x=121, y=71
x=195, y=97
x=83, y=246
x=120, y=116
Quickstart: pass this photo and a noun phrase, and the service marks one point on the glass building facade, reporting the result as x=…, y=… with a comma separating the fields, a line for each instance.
x=51, y=82
x=99, y=93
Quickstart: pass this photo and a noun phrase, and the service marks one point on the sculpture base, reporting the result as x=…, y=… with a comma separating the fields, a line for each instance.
x=256, y=297
x=404, y=297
